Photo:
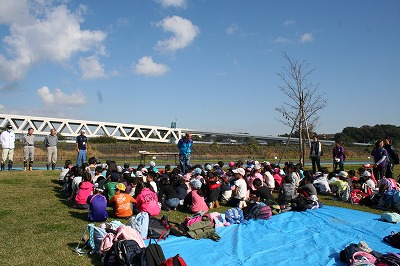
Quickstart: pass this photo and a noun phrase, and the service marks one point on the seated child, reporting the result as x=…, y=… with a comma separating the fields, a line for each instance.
x=147, y=199
x=278, y=178
x=97, y=205
x=287, y=191
x=67, y=167
x=85, y=189
x=369, y=186
x=122, y=202
x=308, y=190
x=240, y=193
x=181, y=189
x=225, y=189
x=151, y=175
x=167, y=195
x=213, y=189
x=195, y=198
x=109, y=185
x=321, y=184
x=262, y=193
x=339, y=185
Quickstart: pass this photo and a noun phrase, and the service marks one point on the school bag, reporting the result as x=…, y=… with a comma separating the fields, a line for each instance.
x=234, y=215
x=176, y=260
x=386, y=201
x=393, y=239
x=202, y=229
x=159, y=228
x=389, y=258
x=299, y=204
x=140, y=223
x=95, y=236
x=257, y=211
x=106, y=244
x=128, y=233
x=153, y=255
x=346, y=255
x=124, y=252
x=363, y=259
x=391, y=217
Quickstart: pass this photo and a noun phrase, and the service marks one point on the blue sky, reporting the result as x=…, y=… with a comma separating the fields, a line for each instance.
x=209, y=65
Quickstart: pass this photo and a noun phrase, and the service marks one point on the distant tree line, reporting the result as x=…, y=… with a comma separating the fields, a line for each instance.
x=369, y=134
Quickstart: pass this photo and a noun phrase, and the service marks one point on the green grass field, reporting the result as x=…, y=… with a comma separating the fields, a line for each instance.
x=39, y=227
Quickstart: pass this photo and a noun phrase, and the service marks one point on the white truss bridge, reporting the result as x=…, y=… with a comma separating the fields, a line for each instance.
x=72, y=128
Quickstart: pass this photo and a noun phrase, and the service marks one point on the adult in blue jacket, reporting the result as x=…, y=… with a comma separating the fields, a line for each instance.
x=184, y=146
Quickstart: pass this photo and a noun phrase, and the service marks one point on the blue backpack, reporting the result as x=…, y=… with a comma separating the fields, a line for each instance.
x=234, y=215
x=140, y=223
x=93, y=243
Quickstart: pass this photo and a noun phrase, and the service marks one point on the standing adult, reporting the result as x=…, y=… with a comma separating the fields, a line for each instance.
x=29, y=149
x=7, y=139
x=184, y=146
x=379, y=155
x=315, y=154
x=338, y=156
x=81, y=148
x=392, y=157
x=51, y=142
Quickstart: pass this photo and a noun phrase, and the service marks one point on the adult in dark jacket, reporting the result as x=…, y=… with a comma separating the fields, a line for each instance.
x=392, y=157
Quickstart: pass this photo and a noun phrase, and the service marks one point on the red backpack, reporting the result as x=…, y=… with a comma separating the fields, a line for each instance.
x=174, y=261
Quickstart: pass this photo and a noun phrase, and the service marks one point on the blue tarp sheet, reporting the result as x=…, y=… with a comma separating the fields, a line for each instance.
x=313, y=237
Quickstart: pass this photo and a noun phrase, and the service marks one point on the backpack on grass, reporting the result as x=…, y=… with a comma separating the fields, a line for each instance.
x=93, y=243
x=124, y=252
x=159, y=228
x=153, y=255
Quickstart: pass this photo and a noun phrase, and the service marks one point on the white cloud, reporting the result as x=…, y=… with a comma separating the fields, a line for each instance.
x=13, y=11
x=282, y=40
x=183, y=30
x=232, y=29
x=46, y=33
x=1, y=107
x=174, y=3
x=289, y=22
x=91, y=68
x=306, y=37
x=58, y=97
x=147, y=67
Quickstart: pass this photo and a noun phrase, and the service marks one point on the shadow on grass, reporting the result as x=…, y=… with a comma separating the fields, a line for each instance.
x=79, y=214
x=95, y=258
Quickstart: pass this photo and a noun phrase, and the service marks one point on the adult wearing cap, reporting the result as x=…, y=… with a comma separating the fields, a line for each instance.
x=185, y=145
x=81, y=148
x=7, y=139
x=29, y=149
x=51, y=142
x=122, y=202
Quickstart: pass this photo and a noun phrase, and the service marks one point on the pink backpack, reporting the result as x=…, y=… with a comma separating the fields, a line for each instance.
x=128, y=233
x=106, y=243
x=192, y=220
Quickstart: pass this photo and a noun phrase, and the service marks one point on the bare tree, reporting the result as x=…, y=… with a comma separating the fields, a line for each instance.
x=300, y=111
